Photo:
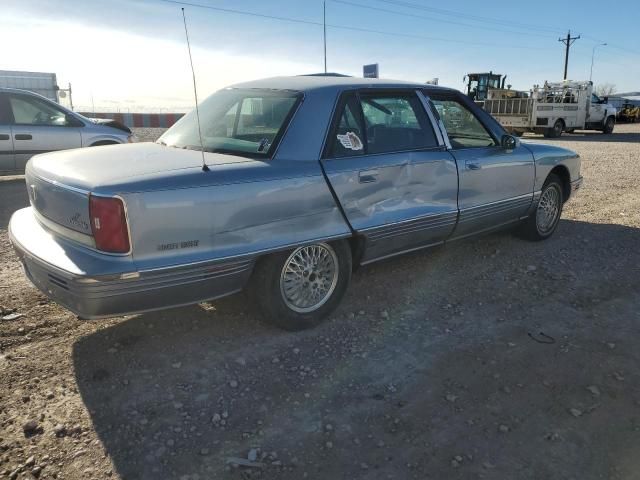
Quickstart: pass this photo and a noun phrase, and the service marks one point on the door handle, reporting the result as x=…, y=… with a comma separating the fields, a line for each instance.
x=368, y=176
x=23, y=136
x=473, y=166
x=4, y=136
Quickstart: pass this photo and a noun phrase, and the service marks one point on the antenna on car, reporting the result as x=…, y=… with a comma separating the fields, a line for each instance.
x=205, y=168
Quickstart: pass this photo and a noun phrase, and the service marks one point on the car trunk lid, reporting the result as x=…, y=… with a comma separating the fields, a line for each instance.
x=59, y=203
x=60, y=183
x=114, y=167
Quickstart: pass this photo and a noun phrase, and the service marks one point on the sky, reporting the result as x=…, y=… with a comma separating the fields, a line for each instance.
x=131, y=55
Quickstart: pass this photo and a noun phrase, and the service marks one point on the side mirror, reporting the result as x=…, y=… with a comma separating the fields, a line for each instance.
x=605, y=100
x=509, y=142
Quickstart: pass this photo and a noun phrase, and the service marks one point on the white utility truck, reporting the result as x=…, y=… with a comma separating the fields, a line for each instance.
x=551, y=109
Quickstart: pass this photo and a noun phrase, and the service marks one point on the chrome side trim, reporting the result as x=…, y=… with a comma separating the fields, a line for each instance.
x=424, y=99
x=484, y=230
x=160, y=280
x=445, y=134
x=494, y=208
x=409, y=226
x=250, y=255
x=395, y=254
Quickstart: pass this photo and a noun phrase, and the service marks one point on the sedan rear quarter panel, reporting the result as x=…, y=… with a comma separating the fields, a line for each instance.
x=276, y=205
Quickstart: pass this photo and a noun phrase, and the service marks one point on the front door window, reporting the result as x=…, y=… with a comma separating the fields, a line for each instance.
x=464, y=129
x=33, y=111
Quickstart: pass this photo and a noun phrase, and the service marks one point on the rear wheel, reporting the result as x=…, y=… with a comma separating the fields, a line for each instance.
x=297, y=289
x=544, y=221
x=609, y=124
x=555, y=131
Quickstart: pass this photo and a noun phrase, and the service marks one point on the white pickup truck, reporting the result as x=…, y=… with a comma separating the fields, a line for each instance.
x=551, y=109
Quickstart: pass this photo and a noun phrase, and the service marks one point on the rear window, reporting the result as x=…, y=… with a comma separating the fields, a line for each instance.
x=239, y=122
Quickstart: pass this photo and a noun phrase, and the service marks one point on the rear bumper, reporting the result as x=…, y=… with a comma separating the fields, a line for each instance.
x=94, y=286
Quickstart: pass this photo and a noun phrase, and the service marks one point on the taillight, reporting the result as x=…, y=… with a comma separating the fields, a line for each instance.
x=109, y=224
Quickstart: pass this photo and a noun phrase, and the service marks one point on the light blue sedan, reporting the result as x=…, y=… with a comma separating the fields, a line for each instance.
x=300, y=180
x=32, y=124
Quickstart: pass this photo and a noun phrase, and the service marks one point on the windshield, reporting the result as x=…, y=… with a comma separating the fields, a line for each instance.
x=238, y=122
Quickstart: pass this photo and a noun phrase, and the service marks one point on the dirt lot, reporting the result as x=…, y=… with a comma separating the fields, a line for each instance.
x=434, y=366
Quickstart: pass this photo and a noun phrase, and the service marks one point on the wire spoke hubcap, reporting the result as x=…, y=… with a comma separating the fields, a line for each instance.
x=548, y=209
x=309, y=277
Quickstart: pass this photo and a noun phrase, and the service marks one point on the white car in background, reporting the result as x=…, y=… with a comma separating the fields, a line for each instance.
x=32, y=124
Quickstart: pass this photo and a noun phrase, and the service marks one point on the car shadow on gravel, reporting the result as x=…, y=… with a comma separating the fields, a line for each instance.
x=453, y=381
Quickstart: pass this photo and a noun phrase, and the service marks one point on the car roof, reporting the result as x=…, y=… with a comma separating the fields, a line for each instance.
x=307, y=83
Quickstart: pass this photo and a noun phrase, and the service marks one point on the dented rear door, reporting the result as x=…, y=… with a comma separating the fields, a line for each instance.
x=396, y=183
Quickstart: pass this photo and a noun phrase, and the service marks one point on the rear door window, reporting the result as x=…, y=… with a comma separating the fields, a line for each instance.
x=395, y=123
x=348, y=137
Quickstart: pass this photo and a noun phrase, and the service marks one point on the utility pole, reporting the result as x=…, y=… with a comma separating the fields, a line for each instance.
x=568, y=42
x=324, y=27
x=70, y=97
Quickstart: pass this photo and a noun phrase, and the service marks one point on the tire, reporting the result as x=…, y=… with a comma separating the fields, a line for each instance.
x=544, y=221
x=609, y=124
x=103, y=142
x=555, y=131
x=275, y=296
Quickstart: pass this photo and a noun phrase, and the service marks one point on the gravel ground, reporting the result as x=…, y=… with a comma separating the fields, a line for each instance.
x=490, y=358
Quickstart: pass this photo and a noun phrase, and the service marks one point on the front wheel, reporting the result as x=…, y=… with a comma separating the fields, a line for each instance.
x=609, y=125
x=544, y=221
x=297, y=289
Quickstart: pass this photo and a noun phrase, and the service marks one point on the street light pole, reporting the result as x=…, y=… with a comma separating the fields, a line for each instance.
x=593, y=54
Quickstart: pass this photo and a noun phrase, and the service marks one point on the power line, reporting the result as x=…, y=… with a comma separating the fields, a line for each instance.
x=612, y=45
x=435, y=39
x=243, y=12
x=413, y=15
x=478, y=18
x=507, y=23
x=395, y=34
x=345, y=27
